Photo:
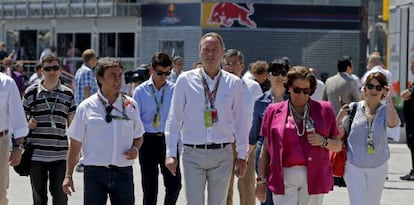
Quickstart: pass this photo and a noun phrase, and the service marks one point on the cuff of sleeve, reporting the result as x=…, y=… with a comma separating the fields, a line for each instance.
x=21, y=132
x=171, y=152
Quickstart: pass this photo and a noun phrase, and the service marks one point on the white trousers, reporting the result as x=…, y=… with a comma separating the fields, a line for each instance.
x=211, y=167
x=296, y=188
x=4, y=168
x=365, y=185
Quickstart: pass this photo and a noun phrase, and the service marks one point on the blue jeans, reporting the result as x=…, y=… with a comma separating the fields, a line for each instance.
x=269, y=197
x=54, y=172
x=117, y=182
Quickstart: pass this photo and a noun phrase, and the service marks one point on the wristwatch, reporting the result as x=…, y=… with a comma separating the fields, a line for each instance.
x=19, y=147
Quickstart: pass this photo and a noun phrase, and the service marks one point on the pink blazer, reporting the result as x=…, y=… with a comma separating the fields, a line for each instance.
x=319, y=171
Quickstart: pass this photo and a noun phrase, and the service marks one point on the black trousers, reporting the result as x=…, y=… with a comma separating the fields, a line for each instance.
x=409, y=130
x=41, y=172
x=152, y=159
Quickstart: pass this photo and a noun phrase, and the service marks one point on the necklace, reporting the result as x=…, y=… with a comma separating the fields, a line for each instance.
x=301, y=118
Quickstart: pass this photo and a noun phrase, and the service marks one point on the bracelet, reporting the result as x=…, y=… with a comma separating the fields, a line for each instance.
x=261, y=180
x=325, y=142
x=68, y=176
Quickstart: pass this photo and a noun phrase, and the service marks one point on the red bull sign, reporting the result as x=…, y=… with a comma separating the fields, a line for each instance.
x=227, y=14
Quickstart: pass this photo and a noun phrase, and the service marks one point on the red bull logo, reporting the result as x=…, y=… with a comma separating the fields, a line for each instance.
x=226, y=13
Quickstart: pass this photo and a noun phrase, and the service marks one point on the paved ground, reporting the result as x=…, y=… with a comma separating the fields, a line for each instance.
x=396, y=192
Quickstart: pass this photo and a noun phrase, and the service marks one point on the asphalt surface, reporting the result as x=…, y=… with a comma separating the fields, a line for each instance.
x=396, y=192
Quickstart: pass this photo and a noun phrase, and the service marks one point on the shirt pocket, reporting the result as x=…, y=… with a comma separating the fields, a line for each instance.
x=128, y=129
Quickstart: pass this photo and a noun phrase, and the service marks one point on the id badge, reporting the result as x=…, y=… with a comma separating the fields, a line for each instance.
x=214, y=115
x=208, y=119
x=370, y=147
x=52, y=122
x=156, y=121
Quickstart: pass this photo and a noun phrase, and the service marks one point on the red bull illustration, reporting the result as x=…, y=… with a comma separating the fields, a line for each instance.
x=226, y=13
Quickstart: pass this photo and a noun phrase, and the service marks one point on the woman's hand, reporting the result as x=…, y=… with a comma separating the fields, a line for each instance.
x=261, y=191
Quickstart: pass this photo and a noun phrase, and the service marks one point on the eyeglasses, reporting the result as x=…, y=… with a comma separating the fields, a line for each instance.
x=377, y=87
x=298, y=90
x=49, y=68
x=233, y=64
x=108, y=117
x=163, y=73
x=278, y=72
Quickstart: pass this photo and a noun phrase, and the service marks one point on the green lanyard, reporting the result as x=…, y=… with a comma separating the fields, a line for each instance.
x=52, y=109
x=210, y=96
x=156, y=120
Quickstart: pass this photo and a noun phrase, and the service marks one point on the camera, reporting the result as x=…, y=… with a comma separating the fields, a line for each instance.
x=139, y=74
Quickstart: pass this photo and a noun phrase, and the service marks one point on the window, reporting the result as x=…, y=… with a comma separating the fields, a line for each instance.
x=117, y=44
x=172, y=47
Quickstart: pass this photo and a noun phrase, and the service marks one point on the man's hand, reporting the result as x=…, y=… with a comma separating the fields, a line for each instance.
x=32, y=123
x=131, y=154
x=241, y=168
x=68, y=186
x=171, y=164
x=15, y=157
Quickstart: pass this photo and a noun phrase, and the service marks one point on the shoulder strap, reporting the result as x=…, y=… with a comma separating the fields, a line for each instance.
x=352, y=115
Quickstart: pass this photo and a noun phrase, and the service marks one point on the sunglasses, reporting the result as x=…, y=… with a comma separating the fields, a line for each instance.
x=298, y=90
x=278, y=73
x=163, y=73
x=108, y=117
x=49, y=68
x=377, y=87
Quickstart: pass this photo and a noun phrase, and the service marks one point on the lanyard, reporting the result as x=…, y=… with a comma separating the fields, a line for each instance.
x=52, y=109
x=159, y=104
x=370, y=124
x=210, y=96
x=115, y=117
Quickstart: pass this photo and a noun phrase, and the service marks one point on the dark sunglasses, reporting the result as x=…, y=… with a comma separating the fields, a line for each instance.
x=108, y=117
x=298, y=90
x=49, y=68
x=377, y=87
x=163, y=73
x=278, y=72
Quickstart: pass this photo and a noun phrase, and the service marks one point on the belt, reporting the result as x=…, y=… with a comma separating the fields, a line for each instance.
x=4, y=133
x=207, y=146
x=157, y=134
x=111, y=166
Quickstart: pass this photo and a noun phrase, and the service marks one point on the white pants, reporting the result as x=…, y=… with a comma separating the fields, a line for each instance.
x=365, y=185
x=207, y=166
x=296, y=188
x=4, y=168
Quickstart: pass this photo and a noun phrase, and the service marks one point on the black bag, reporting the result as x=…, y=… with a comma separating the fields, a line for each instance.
x=23, y=169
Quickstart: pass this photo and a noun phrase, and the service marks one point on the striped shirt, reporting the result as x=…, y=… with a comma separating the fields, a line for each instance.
x=51, y=110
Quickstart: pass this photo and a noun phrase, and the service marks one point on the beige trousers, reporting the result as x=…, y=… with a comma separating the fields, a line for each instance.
x=4, y=169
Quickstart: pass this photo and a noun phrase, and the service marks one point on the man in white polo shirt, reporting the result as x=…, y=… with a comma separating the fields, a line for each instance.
x=108, y=129
x=207, y=114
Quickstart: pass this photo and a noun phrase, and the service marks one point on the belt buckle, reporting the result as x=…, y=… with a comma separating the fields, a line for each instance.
x=111, y=166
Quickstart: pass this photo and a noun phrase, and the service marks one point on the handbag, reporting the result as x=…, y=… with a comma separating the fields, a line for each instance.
x=338, y=159
x=23, y=169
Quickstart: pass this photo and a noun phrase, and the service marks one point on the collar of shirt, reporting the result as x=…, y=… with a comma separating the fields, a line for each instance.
x=210, y=82
x=117, y=105
x=41, y=88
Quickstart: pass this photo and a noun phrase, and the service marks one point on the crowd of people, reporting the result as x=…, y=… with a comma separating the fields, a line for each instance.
x=273, y=128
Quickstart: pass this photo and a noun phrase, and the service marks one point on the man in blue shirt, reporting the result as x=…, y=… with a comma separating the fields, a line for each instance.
x=154, y=99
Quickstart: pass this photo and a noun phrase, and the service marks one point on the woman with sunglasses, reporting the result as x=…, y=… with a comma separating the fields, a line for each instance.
x=277, y=74
x=367, y=144
x=299, y=133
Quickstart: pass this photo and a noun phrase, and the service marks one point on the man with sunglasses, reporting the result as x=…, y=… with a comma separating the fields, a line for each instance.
x=233, y=62
x=154, y=98
x=108, y=129
x=50, y=107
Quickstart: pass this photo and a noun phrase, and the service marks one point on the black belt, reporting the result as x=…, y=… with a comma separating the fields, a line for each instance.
x=207, y=146
x=157, y=134
x=111, y=166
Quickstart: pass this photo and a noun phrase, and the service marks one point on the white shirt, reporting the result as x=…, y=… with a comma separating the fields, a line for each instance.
x=252, y=92
x=317, y=95
x=377, y=68
x=35, y=79
x=248, y=75
x=104, y=143
x=11, y=108
x=186, y=115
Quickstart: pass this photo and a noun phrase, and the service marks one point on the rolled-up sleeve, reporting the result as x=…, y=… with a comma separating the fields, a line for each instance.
x=18, y=120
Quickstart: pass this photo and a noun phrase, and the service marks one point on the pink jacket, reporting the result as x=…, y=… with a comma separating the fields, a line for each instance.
x=319, y=171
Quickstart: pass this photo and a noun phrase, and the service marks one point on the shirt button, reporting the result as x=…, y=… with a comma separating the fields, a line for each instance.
x=309, y=158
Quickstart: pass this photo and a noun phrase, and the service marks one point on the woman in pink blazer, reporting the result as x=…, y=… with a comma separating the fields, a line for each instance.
x=298, y=135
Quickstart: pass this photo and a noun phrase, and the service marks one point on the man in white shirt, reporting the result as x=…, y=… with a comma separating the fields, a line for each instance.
x=108, y=129
x=13, y=117
x=317, y=95
x=207, y=114
x=233, y=62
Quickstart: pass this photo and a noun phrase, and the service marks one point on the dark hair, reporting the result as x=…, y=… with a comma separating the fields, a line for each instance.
x=380, y=77
x=343, y=63
x=213, y=34
x=301, y=72
x=278, y=64
x=38, y=66
x=161, y=59
x=233, y=52
x=103, y=64
x=49, y=58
